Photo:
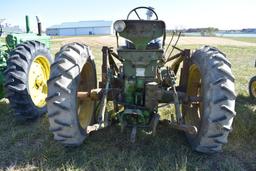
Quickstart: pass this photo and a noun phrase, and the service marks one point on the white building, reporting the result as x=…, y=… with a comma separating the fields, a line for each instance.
x=98, y=27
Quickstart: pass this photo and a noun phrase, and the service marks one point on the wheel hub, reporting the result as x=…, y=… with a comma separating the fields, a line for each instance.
x=38, y=75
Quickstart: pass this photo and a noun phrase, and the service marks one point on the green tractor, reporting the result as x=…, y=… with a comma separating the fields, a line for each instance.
x=252, y=86
x=24, y=70
x=138, y=82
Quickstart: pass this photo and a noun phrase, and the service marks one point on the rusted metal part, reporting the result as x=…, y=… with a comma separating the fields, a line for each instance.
x=154, y=123
x=116, y=55
x=174, y=57
x=185, y=69
x=186, y=128
x=108, y=62
x=182, y=56
x=92, y=128
x=83, y=95
x=105, y=63
x=195, y=99
x=166, y=96
x=103, y=116
x=94, y=94
x=113, y=65
x=177, y=104
x=175, y=47
x=151, y=96
x=115, y=83
x=176, y=64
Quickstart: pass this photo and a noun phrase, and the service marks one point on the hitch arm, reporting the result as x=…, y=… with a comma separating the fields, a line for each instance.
x=103, y=103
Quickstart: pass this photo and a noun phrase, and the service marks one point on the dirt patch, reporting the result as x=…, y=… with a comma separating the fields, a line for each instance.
x=111, y=40
x=90, y=40
x=212, y=41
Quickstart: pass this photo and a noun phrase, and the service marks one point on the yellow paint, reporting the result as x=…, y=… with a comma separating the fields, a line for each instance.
x=86, y=106
x=39, y=73
x=194, y=112
x=253, y=88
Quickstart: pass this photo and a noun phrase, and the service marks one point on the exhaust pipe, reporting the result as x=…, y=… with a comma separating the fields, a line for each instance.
x=39, y=26
x=27, y=24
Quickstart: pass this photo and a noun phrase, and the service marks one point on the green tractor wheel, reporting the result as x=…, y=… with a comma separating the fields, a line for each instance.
x=252, y=87
x=73, y=70
x=210, y=78
x=28, y=69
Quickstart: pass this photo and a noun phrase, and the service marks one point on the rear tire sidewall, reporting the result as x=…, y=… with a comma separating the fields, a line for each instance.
x=196, y=60
x=71, y=72
x=218, y=100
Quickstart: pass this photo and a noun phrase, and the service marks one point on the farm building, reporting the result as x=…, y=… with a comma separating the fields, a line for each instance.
x=98, y=27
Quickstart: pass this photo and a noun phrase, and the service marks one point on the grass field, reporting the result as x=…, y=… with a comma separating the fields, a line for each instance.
x=31, y=146
x=245, y=39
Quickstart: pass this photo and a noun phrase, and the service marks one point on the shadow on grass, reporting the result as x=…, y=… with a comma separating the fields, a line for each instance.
x=245, y=121
x=32, y=145
x=242, y=140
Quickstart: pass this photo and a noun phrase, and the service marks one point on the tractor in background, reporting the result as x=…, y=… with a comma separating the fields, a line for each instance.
x=24, y=70
x=138, y=81
x=252, y=86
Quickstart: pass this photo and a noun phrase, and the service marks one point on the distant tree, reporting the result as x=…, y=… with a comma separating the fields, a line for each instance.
x=209, y=31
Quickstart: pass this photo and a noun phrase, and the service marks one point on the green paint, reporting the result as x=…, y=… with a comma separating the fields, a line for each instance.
x=140, y=66
x=141, y=32
x=11, y=42
x=3, y=63
x=27, y=24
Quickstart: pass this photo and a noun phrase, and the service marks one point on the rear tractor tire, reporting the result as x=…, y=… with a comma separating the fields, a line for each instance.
x=26, y=75
x=252, y=88
x=210, y=78
x=73, y=70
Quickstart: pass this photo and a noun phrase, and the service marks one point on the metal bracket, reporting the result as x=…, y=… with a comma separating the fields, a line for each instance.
x=133, y=134
x=154, y=123
x=176, y=98
x=186, y=128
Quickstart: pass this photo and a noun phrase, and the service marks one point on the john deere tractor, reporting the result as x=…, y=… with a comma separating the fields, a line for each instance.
x=24, y=69
x=252, y=86
x=138, y=82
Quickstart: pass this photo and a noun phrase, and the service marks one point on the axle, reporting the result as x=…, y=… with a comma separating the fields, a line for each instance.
x=160, y=95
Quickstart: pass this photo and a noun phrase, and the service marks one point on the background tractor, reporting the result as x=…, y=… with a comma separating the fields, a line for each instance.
x=24, y=69
x=252, y=86
x=138, y=82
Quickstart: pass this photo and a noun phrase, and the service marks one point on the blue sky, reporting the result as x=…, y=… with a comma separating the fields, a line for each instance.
x=224, y=14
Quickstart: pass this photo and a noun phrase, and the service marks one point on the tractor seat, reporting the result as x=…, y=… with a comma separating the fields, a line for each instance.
x=143, y=34
x=154, y=44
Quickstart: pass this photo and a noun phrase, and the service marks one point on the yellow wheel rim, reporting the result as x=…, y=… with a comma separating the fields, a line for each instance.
x=194, y=110
x=86, y=106
x=253, y=88
x=39, y=73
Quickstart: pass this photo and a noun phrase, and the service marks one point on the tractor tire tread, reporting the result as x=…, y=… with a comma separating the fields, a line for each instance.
x=16, y=79
x=220, y=94
x=62, y=116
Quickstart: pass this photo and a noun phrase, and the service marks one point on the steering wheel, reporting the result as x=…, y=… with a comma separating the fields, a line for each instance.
x=138, y=8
